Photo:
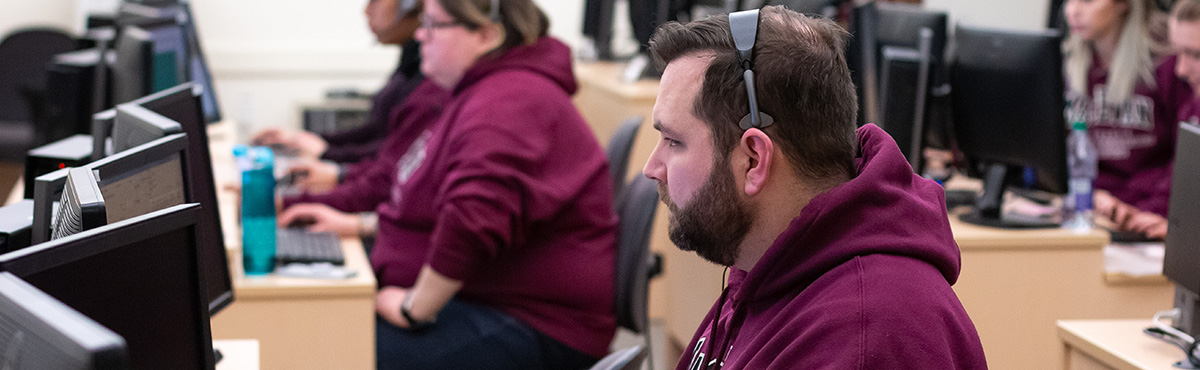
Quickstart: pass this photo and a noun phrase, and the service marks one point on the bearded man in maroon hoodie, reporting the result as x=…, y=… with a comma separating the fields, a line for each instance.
x=841, y=257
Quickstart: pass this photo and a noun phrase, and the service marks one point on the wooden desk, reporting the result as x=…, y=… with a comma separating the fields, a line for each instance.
x=239, y=354
x=1113, y=344
x=299, y=323
x=1016, y=283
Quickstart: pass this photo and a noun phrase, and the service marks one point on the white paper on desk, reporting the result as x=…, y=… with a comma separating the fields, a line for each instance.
x=1136, y=259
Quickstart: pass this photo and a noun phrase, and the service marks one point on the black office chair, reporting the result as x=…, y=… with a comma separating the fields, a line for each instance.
x=627, y=359
x=24, y=56
x=618, y=150
x=635, y=264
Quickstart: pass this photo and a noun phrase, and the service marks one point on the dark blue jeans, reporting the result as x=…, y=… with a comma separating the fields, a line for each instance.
x=470, y=336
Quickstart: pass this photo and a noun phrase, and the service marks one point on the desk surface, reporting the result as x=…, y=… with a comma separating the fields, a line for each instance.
x=299, y=323
x=1116, y=344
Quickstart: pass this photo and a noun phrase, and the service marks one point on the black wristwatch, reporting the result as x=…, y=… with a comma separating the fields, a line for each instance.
x=414, y=324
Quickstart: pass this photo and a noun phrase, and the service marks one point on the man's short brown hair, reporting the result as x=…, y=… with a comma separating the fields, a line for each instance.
x=801, y=80
x=1186, y=10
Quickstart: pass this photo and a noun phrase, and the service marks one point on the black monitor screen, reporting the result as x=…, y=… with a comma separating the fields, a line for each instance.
x=1008, y=106
x=876, y=27
x=198, y=67
x=182, y=104
x=148, y=60
x=71, y=86
x=139, y=278
x=1181, y=263
x=39, y=332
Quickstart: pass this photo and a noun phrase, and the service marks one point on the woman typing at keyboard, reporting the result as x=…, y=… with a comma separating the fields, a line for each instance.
x=495, y=248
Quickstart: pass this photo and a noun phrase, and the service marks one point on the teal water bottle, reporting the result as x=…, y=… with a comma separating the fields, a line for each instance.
x=258, y=208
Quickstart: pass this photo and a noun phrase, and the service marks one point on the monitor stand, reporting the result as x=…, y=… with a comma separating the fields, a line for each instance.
x=987, y=210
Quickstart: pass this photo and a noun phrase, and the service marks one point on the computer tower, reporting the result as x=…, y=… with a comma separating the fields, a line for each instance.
x=335, y=115
x=73, y=151
x=15, y=222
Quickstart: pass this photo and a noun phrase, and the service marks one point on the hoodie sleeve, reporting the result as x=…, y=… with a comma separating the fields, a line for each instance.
x=361, y=193
x=500, y=143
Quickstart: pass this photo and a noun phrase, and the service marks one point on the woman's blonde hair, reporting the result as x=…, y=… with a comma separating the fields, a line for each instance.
x=1132, y=60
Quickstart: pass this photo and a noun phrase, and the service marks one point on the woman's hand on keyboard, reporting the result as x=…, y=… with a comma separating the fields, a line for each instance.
x=320, y=218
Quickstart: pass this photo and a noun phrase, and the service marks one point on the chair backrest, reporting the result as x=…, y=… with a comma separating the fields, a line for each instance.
x=635, y=210
x=24, y=56
x=627, y=359
x=619, y=147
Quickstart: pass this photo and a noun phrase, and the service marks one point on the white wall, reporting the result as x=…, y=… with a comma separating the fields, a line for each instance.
x=1027, y=15
x=17, y=14
x=270, y=56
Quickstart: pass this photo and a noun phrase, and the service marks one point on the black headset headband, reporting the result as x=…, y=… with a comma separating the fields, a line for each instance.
x=744, y=27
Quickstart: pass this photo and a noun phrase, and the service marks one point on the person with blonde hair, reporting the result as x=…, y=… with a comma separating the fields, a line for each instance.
x=1130, y=99
x=1185, y=40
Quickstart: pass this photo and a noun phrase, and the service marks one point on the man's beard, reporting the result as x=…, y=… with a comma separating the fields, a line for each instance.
x=715, y=222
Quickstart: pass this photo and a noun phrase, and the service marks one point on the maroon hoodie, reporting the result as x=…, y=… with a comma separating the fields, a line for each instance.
x=368, y=186
x=860, y=280
x=1135, y=139
x=1191, y=112
x=509, y=192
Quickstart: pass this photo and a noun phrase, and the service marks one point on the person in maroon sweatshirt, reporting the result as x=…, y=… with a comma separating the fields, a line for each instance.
x=349, y=153
x=496, y=242
x=1125, y=88
x=841, y=257
x=1185, y=39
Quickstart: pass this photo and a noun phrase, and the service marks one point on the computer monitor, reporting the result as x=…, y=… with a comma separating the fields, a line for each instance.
x=139, y=277
x=135, y=125
x=178, y=15
x=183, y=104
x=134, y=182
x=76, y=89
x=893, y=57
x=197, y=65
x=39, y=332
x=148, y=60
x=598, y=26
x=81, y=206
x=1008, y=107
x=1181, y=261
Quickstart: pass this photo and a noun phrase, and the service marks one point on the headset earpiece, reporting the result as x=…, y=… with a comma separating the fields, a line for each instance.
x=406, y=7
x=743, y=26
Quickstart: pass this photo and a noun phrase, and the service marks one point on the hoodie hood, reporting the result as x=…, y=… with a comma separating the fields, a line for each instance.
x=885, y=209
x=547, y=57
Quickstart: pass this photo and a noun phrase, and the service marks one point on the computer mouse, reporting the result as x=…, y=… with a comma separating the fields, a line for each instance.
x=302, y=222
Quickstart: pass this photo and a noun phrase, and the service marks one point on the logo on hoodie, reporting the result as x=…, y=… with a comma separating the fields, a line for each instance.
x=409, y=163
x=698, y=355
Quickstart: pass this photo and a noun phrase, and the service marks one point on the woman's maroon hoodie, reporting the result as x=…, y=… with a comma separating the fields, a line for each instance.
x=509, y=192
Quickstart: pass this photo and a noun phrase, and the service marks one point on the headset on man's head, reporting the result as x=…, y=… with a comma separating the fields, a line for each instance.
x=744, y=27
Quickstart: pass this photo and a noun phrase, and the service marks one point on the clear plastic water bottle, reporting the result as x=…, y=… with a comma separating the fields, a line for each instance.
x=1082, y=162
x=258, y=208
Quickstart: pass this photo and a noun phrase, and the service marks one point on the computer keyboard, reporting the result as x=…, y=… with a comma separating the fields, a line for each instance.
x=298, y=245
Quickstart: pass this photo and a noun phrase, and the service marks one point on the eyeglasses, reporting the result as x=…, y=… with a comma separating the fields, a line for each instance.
x=428, y=23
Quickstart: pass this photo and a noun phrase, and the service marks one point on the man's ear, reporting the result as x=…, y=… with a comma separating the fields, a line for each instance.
x=756, y=150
